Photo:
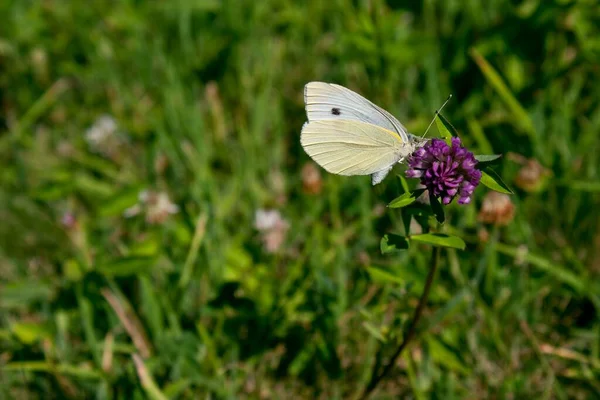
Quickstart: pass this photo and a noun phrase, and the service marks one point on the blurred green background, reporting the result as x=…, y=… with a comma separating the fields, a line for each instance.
x=163, y=235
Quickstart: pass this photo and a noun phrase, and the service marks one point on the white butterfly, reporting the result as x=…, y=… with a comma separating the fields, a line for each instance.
x=348, y=135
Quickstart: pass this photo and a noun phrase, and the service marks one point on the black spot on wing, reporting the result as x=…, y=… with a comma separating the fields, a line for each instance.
x=336, y=111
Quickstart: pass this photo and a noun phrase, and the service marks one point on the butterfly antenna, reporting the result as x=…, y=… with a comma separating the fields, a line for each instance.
x=436, y=113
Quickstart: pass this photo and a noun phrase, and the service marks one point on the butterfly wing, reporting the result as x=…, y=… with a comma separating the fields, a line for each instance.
x=351, y=147
x=328, y=101
x=379, y=176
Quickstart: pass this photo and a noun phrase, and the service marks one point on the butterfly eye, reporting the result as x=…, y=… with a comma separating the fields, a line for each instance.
x=336, y=111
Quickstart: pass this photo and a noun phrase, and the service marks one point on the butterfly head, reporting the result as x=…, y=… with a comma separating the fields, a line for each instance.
x=416, y=141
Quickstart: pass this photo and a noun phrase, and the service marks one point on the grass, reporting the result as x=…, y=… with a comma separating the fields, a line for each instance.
x=207, y=98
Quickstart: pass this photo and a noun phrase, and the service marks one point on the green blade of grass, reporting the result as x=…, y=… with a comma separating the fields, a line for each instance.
x=440, y=240
x=494, y=79
x=44, y=366
x=553, y=269
x=146, y=379
x=188, y=268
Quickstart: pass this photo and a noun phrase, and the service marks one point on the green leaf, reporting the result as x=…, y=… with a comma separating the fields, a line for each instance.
x=29, y=333
x=148, y=247
x=406, y=199
x=391, y=242
x=445, y=127
x=117, y=204
x=383, y=276
x=487, y=159
x=175, y=389
x=372, y=329
x=446, y=356
x=150, y=307
x=406, y=219
x=492, y=180
x=22, y=294
x=72, y=270
x=403, y=183
x=93, y=187
x=87, y=317
x=39, y=108
x=440, y=240
x=76, y=371
x=584, y=186
x=96, y=163
x=421, y=212
x=450, y=308
x=437, y=208
x=301, y=360
x=127, y=266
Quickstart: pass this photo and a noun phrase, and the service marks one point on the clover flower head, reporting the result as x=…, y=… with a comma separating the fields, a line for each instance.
x=445, y=170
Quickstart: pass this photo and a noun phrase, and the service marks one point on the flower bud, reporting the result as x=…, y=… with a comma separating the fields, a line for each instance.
x=532, y=177
x=311, y=179
x=497, y=209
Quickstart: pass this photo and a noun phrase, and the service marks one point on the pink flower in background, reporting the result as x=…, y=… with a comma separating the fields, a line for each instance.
x=272, y=227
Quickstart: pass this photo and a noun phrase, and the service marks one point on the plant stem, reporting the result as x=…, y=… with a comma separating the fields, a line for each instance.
x=376, y=378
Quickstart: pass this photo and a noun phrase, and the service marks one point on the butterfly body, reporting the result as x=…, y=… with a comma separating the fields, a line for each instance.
x=347, y=134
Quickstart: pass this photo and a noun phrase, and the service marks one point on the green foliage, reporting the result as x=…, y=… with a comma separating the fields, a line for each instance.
x=391, y=243
x=487, y=159
x=406, y=198
x=440, y=240
x=493, y=181
x=207, y=100
x=437, y=209
x=445, y=128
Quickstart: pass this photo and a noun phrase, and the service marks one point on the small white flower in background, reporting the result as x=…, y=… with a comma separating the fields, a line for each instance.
x=266, y=219
x=272, y=227
x=132, y=211
x=101, y=131
x=102, y=136
x=160, y=208
x=157, y=207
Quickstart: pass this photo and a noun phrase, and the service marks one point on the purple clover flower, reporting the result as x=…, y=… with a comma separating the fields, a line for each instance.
x=446, y=171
